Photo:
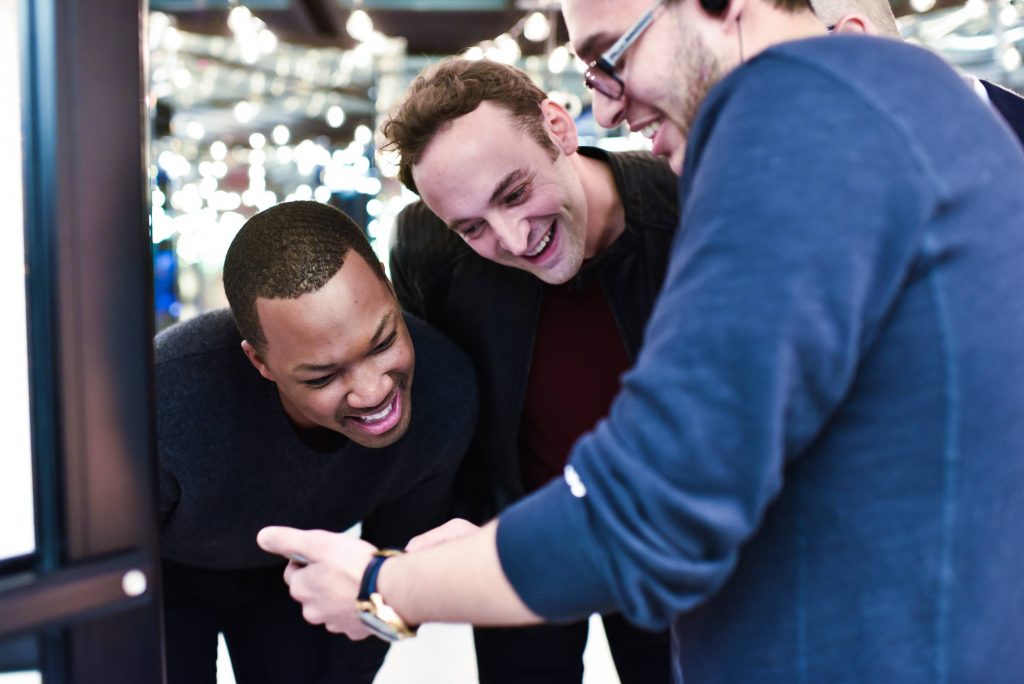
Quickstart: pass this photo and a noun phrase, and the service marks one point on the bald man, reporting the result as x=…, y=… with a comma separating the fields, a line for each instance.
x=875, y=17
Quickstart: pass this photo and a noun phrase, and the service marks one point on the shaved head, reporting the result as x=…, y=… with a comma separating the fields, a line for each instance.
x=877, y=12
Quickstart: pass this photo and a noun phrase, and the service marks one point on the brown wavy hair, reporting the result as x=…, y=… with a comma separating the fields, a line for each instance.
x=454, y=88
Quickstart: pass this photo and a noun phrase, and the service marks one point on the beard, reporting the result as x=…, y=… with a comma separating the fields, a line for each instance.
x=698, y=67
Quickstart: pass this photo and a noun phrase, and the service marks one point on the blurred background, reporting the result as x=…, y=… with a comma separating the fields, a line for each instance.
x=268, y=100
x=249, y=104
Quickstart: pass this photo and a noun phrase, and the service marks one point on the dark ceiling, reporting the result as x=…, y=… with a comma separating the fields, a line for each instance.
x=430, y=28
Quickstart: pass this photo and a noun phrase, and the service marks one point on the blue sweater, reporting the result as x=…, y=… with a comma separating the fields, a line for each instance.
x=815, y=471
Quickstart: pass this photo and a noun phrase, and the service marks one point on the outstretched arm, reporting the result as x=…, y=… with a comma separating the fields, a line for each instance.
x=465, y=580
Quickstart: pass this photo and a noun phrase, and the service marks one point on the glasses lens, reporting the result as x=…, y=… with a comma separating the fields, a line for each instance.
x=600, y=80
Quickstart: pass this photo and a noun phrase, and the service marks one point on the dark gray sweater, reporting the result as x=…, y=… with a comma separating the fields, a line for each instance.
x=231, y=462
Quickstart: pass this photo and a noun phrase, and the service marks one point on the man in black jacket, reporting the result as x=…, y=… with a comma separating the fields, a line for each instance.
x=574, y=244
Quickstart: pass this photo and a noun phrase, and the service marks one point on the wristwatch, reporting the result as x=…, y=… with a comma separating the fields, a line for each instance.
x=379, y=617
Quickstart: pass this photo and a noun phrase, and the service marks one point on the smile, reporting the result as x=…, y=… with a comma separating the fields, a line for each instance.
x=543, y=244
x=650, y=130
x=383, y=420
x=376, y=417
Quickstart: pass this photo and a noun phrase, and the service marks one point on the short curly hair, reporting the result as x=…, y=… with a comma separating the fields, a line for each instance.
x=287, y=251
x=451, y=89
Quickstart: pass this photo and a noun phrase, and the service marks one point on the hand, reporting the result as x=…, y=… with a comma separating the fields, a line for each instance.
x=453, y=529
x=327, y=583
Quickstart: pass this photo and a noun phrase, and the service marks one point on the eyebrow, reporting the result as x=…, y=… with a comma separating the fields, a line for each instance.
x=320, y=367
x=589, y=47
x=502, y=186
x=499, y=190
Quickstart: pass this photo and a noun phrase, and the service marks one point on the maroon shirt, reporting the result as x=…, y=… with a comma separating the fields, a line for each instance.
x=578, y=358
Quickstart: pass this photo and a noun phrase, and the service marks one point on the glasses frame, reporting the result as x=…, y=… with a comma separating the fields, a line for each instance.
x=603, y=68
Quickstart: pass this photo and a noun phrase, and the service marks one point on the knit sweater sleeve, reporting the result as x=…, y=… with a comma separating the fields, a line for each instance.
x=774, y=290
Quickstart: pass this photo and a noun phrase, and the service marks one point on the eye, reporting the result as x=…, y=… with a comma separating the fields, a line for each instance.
x=317, y=383
x=469, y=232
x=386, y=344
x=518, y=195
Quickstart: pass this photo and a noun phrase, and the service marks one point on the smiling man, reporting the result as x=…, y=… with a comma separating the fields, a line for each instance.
x=298, y=344
x=544, y=266
x=812, y=472
x=336, y=432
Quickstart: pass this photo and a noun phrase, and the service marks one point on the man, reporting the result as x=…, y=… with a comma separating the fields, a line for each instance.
x=875, y=17
x=574, y=243
x=812, y=471
x=334, y=433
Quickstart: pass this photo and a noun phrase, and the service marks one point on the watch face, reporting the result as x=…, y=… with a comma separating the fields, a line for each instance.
x=378, y=627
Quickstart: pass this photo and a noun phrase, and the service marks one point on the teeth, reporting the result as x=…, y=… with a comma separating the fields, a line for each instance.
x=543, y=243
x=649, y=130
x=373, y=418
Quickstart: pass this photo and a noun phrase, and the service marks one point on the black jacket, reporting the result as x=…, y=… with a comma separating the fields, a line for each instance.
x=491, y=311
x=1009, y=104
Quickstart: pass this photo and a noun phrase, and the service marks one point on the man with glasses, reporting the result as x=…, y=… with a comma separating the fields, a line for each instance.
x=813, y=471
x=569, y=244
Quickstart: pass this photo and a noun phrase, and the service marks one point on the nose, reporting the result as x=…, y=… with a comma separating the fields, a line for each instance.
x=608, y=113
x=513, y=235
x=368, y=386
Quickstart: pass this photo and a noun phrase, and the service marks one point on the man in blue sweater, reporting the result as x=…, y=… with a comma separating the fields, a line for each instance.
x=813, y=471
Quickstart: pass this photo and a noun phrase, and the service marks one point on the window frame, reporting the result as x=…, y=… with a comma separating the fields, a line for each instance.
x=90, y=325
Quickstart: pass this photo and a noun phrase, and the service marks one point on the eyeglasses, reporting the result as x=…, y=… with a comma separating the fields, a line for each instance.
x=600, y=75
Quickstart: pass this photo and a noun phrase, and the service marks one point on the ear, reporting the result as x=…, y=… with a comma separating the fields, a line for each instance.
x=855, y=22
x=257, y=361
x=732, y=13
x=560, y=126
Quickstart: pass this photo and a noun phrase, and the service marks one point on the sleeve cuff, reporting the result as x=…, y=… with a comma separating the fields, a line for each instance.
x=549, y=554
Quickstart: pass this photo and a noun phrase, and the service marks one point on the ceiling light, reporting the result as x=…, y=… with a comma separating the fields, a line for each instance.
x=239, y=18
x=363, y=135
x=359, y=25
x=281, y=135
x=559, y=59
x=182, y=78
x=335, y=116
x=537, y=28
x=171, y=39
x=1011, y=59
x=505, y=50
x=976, y=8
x=218, y=150
x=195, y=130
x=267, y=41
x=245, y=111
x=1009, y=16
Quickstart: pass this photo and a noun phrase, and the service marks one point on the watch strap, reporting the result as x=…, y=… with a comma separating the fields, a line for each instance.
x=368, y=585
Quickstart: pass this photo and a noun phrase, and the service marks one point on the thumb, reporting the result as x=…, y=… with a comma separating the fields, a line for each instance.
x=283, y=541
